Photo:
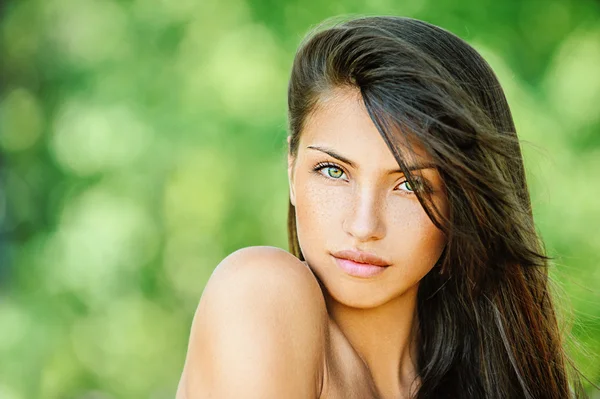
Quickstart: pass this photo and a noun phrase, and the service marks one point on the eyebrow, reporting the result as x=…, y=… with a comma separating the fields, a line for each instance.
x=339, y=157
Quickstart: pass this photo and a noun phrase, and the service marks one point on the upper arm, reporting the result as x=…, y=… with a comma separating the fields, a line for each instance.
x=259, y=330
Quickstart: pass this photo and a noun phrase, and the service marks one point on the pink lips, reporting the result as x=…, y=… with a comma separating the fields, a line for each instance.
x=360, y=264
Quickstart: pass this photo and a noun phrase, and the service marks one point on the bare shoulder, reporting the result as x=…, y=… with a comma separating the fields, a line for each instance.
x=259, y=330
x=276, y=277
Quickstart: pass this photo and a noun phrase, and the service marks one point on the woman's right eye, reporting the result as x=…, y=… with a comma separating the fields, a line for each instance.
x=330, y=170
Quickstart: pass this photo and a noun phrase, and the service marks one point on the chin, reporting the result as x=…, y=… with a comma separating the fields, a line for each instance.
x=364, y=294
x=361, y=293
x=364, y=302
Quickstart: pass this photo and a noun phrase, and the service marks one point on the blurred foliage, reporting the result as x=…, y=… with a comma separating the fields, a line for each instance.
x=144, y=140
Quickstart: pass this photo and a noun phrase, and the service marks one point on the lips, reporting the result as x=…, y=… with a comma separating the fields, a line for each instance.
x=361, y=258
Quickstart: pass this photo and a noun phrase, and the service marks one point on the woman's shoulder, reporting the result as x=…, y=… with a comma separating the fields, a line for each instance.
x=260, y=330
x=272, y=273
x=274, y=262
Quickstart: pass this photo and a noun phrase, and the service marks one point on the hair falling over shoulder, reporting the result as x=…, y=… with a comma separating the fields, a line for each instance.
x=488, y=326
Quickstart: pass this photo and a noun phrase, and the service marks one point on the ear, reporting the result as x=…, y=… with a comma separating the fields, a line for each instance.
x=291, y=163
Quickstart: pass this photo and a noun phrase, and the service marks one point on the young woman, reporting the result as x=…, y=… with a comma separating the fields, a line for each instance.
x=415, y=268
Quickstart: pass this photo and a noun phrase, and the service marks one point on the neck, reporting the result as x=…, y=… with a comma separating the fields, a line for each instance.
x=385, y=339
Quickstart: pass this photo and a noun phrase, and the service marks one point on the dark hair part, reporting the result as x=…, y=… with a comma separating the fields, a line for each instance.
x=487, y=324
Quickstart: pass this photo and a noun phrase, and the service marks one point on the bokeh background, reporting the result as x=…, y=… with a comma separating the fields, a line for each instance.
x=142, y=141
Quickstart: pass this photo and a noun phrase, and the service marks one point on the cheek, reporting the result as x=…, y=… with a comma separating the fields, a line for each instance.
x=417, y=242
x=318, y=209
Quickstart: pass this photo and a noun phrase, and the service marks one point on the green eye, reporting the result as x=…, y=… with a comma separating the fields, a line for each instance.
x=334, y=172
x=329, y=170
x=406, y=186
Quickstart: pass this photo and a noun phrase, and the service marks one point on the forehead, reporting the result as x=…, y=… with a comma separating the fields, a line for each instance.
x=341, y=121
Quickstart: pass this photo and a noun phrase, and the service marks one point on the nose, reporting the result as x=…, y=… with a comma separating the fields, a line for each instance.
x=365, y=221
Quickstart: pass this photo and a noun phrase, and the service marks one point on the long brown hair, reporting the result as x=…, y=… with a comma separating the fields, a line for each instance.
x=487, y=323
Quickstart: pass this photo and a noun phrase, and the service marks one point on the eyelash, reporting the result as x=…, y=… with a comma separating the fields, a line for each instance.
x=322, y=165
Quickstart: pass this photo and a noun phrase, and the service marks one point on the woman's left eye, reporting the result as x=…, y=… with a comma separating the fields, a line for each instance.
x=419, y=184
x=406, y=186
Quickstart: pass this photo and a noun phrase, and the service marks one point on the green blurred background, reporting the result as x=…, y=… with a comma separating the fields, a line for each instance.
x=142, y=141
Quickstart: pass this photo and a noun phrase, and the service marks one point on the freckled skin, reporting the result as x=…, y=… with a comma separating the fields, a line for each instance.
x=365, y=209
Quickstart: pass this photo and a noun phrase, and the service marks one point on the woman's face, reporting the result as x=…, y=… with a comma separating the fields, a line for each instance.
x=350, y=195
